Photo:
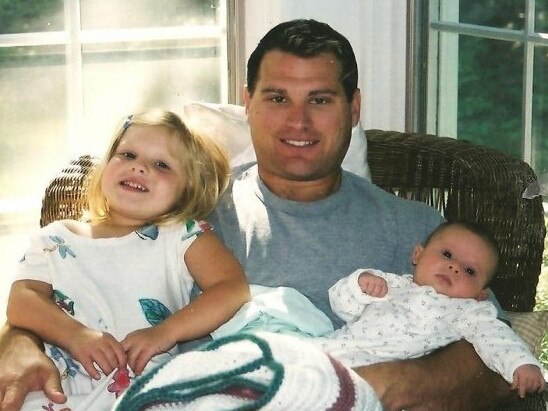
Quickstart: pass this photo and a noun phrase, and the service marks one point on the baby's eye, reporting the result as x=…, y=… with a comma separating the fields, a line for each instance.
x=470, y=271
x=447, y=254
x=161, y=164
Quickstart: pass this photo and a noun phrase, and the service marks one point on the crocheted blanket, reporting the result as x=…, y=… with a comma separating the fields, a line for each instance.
x=263, y=371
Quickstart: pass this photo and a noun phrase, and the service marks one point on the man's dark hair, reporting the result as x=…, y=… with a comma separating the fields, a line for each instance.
x=306, y=38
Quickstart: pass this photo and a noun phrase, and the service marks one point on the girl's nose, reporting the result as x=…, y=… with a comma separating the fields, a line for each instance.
x=138, y=169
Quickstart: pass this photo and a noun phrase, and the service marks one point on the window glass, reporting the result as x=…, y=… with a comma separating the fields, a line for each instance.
x=108, y=14
x=29, y=16
x=541, y=16
x=133, y=77
x=490, y=93
x=540, y=113
x=32, y=122
x=507, y=14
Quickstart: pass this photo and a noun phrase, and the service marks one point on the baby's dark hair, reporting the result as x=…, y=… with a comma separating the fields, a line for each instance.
x=476, y=229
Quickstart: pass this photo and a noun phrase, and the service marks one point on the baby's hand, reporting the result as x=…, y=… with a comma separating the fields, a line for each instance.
x=141, y=345
x=528, y=378
x=372, y=284
x=89, y=346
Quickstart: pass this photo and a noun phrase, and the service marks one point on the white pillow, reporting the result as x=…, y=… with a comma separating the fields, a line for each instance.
x=227, y=123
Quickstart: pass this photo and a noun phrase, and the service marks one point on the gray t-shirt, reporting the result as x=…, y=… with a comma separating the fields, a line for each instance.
x=310, y=246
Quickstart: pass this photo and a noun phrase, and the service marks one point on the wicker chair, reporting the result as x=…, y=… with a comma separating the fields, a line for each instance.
x=462, y=180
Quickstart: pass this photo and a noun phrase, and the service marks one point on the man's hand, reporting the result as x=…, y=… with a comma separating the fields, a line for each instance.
x=24, y=367
x=452, y=378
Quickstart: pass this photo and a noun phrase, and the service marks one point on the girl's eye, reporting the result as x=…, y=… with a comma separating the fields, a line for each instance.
x=127, y=154
x=446, y=254
x=161, y=164
x=470, y=271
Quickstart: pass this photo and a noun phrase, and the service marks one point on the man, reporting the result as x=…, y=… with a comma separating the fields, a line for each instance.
x=296, y=219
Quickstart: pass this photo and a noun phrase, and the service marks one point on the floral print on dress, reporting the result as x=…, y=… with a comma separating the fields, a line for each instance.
x=71, y=366
x=155, y=312
x=59, y=244
x=194, y=227
x=120, y=382
x=63, y=302
x=148, y=232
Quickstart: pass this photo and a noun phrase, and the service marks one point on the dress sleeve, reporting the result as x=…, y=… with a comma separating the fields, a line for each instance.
x=34, y=264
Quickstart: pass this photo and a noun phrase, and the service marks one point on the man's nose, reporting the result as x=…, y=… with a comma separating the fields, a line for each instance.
x=299, y=116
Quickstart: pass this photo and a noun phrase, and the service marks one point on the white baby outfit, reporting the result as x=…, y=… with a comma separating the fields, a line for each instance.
x=116, y=285
x=412, y=320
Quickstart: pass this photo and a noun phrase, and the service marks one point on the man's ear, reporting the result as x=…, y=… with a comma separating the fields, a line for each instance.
x=482, y=295
x=417, y=251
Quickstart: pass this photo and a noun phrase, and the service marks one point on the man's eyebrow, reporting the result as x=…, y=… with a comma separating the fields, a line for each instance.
x=273, y=90
x=323, y=92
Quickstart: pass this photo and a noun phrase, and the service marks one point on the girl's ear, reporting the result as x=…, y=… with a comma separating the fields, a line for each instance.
x=482, y=295
x=417, y=251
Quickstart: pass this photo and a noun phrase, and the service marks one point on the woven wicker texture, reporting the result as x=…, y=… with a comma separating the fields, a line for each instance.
x=472, y=183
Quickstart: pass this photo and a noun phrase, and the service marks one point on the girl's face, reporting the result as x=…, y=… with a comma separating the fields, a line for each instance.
x=144, y=178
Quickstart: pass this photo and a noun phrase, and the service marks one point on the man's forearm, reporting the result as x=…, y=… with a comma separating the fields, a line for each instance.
x=452, y=378
x=12, y=336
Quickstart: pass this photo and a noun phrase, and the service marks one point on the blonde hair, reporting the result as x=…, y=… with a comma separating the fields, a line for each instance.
x=205, y=166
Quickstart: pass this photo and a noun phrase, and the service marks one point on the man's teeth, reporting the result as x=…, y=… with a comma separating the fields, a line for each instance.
x=134, y=185
x=299, y=143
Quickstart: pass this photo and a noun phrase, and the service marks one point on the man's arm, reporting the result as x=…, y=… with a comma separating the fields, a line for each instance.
x=23, y=368
x=452, y=378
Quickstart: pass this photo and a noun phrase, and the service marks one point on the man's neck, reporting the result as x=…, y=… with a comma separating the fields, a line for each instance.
x=303, y=191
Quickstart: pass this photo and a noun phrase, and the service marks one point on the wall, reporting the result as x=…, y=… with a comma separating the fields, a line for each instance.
x=376, y=29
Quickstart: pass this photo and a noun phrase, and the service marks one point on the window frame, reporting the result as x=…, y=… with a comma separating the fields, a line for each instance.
x=432, y=60
x=229, y=34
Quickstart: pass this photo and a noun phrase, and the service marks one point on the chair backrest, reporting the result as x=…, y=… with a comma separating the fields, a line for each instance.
x=462, y=180
x=472, y=183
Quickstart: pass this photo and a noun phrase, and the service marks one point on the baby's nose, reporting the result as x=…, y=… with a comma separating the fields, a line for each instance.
x=454, y=268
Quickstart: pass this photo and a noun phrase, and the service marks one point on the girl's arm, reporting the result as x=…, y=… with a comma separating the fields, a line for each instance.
x=30, y=306
x=224, y=290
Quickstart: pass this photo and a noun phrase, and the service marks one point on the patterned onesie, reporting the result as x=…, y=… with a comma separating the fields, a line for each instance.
x=411, y=321
x=117, y=285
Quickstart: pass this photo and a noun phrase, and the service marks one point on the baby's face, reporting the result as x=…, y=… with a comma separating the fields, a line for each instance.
x=456, y=262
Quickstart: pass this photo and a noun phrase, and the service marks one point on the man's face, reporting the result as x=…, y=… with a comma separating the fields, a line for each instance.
x=300, y=118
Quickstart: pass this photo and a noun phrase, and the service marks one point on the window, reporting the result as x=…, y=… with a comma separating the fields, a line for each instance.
x=486, y=74
x=71, y=69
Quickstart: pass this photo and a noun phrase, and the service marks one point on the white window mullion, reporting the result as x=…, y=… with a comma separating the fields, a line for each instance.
x=448, y=81
x=528, y=65
x=75, y=86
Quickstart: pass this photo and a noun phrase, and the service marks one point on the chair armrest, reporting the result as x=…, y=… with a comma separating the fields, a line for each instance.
x=66, y=195
x=473, y=183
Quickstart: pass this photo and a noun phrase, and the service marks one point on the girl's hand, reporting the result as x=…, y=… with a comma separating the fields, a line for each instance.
x=141, y=345
x=90, y=347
